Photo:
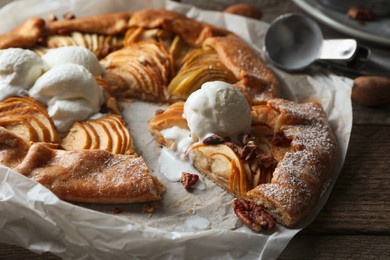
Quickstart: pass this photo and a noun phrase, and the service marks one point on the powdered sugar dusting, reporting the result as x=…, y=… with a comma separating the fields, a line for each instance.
x=300, y=175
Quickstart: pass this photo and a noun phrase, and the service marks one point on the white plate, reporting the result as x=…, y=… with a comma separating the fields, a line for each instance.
x=377, y=31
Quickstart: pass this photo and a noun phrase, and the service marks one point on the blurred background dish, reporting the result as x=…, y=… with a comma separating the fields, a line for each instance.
x=335, y=16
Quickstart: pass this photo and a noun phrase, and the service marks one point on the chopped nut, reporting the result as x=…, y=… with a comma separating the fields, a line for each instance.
x=159, y=111
x=360, y=13
x=253, y=216
x=280, y=139
x=69, y=16
x=245, y=138
x=63, y=31
x=52, y=18
x=236, y=149
x=267, y=160
x=188, y=180
x=249, y=152
x=214, y=139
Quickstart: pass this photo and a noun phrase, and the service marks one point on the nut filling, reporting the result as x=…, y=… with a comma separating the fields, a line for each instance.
x=188, y=180
x=253, y=216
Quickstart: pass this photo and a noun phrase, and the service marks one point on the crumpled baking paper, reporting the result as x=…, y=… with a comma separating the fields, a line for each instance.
x=199, y=224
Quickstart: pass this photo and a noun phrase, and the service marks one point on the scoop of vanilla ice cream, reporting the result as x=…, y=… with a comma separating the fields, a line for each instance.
x=70, y=93
x=217, y=108
x=75, y=55
x=19, y=69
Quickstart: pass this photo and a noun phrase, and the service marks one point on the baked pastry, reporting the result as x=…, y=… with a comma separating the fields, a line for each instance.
x=102, y=167
x=155, y=55
x=283, y=165
x=81, y=175
x=152, y=55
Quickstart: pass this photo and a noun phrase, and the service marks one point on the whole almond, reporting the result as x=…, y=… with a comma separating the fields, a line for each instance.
x=247, y=10
x=371, y=90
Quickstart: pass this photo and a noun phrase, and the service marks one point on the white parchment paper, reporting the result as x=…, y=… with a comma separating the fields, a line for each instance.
x=192, y=225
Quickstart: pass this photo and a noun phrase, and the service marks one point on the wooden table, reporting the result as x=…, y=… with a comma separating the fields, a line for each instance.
x=355, y=222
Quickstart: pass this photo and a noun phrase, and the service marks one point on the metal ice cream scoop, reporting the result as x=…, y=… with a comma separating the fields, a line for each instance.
x=294, y=41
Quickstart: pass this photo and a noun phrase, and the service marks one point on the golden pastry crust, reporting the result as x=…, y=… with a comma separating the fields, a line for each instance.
x=94, y=176
x=110, y=24
x=301, y=176
x=248, y=68
x=192, y=31
x=25, y=35
x=12, y=148
x=294, y=152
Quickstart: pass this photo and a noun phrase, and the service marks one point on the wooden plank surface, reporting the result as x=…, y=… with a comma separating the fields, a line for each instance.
x=355, y=222
x=316, y=247
x=360, y=200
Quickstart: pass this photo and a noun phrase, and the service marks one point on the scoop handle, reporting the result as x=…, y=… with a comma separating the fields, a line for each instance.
x=337, y=49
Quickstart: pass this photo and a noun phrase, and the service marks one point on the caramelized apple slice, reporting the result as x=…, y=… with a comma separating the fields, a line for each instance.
x=127, y=143
x=129, y=140
x=140, y=70
x=93, y=134
x=16, y=109
x=199, y=66
x=105, y=139
x=40, y=113
x=115, y=135
x=77, y=138
x=99, y=44
x=223, y=166
x=167, y=119
x=78, y=38
x=187, y=82
x=178, y=49
x=21, y=128
x=172, y=116
x=119, y=131
x=33, y=114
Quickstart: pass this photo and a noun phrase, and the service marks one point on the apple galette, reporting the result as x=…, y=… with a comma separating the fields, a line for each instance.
x=60, y=123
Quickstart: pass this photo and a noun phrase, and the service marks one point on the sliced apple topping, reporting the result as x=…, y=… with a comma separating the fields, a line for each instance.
x=178, y=48
x=199, y=66
x=77, y=138
x=21, y=128
x=106, y=133
x=142, y=70
x=101, y=45
x=227, y=168
x=28, y=119
x=167, y=119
